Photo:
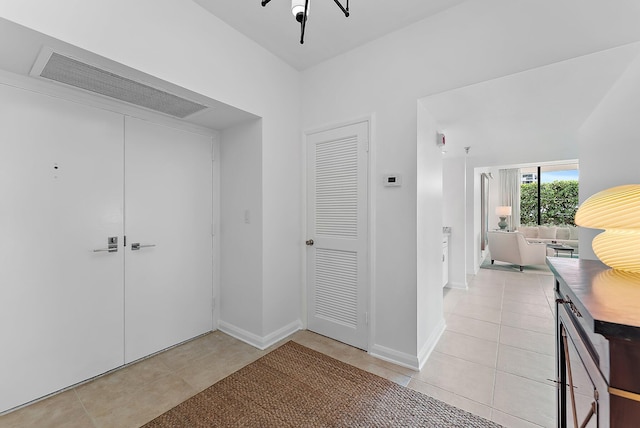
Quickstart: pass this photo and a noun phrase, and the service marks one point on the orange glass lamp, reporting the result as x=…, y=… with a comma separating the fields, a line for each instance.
x=617, y=211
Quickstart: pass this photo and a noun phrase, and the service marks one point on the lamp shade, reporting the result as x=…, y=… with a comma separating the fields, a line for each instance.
x=503, y=211
x=617, y=210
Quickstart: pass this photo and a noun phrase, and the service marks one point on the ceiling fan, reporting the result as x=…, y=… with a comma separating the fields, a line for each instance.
x=300, y=10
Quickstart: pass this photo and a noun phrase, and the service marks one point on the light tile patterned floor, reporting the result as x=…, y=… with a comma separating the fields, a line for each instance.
x=500, y=333
x=493, y=360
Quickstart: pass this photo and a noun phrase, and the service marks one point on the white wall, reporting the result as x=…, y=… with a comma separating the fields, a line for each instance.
x=205, y=55
x=429, y=314
x=241, y=310
x=609, y=148
x=455, y=215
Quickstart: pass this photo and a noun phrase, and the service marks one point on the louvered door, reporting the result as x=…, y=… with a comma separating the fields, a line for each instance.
x=337, y=227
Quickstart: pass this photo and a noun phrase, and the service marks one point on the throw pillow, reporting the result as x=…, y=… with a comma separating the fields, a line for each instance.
x=547, y=232
x=563, y=233
x=573, y=232
x=529, y=232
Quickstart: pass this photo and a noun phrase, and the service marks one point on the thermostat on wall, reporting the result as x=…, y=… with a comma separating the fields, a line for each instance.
x=393, y=180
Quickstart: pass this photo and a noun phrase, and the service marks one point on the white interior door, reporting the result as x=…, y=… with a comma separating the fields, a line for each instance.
x=168, y=204
x=61, y=304
x=337, y=225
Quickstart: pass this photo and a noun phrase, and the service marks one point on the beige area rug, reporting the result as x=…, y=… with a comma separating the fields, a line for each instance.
x=294, y=386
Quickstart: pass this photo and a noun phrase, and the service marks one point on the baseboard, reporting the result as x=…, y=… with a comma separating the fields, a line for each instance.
x=256, y=341
x=281, y=333
x=407, y=360
x=457, y=285
x=431, y=343
x=395, y=357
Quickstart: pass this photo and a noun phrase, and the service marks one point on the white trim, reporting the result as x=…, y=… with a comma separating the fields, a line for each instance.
x=457, y=285
x=431, y=343
x=341, y=124
x=304, y=313
x=408, y=360
x=399, y=358
x=372, y=230
x=215, y=222
x=256, y=341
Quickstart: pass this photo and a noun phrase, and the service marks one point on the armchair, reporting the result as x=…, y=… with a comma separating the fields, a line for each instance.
x=512, y=247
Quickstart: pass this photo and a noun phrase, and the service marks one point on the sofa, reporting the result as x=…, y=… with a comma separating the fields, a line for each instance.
x=567, y=235
x=512, y=247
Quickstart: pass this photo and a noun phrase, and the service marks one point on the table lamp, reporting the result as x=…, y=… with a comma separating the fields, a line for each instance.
x=617, y=211
x=503, y=212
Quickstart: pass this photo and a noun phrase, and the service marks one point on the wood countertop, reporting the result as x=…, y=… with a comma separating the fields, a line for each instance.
x=607, y=299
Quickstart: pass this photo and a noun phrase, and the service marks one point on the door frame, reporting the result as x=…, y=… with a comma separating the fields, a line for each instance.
x=371, y=218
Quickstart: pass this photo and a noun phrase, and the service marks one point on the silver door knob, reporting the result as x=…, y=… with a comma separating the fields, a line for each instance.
x=309, y=242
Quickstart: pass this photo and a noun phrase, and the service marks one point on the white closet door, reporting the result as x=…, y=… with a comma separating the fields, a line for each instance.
x=168, y=206
x=61, y=304
x=337, y=224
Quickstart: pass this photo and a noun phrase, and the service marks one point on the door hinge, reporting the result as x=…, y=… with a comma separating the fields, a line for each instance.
x=213, y=154
x=366, y=318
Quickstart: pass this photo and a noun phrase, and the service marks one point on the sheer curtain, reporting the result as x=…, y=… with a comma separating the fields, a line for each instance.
x=510, y=194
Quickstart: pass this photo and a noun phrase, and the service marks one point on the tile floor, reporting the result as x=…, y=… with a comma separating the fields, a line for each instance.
x=496, y=357
x=494, y=360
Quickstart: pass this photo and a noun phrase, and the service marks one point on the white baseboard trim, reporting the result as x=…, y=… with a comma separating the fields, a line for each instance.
x=281, y=333
x=396, y=357
x=457, y=285
x=431, y=343
x=407, y=360
x=256, y=341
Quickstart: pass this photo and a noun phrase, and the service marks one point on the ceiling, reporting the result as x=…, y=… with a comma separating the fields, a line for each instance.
x=540, y=110
x=572, y=53
x=557, y=59
x=328, y=32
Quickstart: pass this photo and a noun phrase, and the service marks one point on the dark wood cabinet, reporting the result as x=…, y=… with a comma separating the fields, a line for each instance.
x=597, y=344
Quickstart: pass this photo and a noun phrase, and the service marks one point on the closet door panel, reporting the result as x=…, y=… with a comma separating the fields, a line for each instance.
x=61, y=197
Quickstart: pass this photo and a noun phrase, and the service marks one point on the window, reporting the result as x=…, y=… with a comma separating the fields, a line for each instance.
x=549, y=194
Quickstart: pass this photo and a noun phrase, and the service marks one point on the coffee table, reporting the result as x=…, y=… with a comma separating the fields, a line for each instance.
x=561, y=247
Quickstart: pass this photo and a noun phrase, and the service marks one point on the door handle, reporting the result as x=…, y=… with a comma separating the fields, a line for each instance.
x=112, y=245
x=109, y=250
x=136, y=246
x=309, y=242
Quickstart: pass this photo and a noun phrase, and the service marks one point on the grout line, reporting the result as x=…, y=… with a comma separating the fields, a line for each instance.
x=89, y=415
x=474, y=319
x=495, y=377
